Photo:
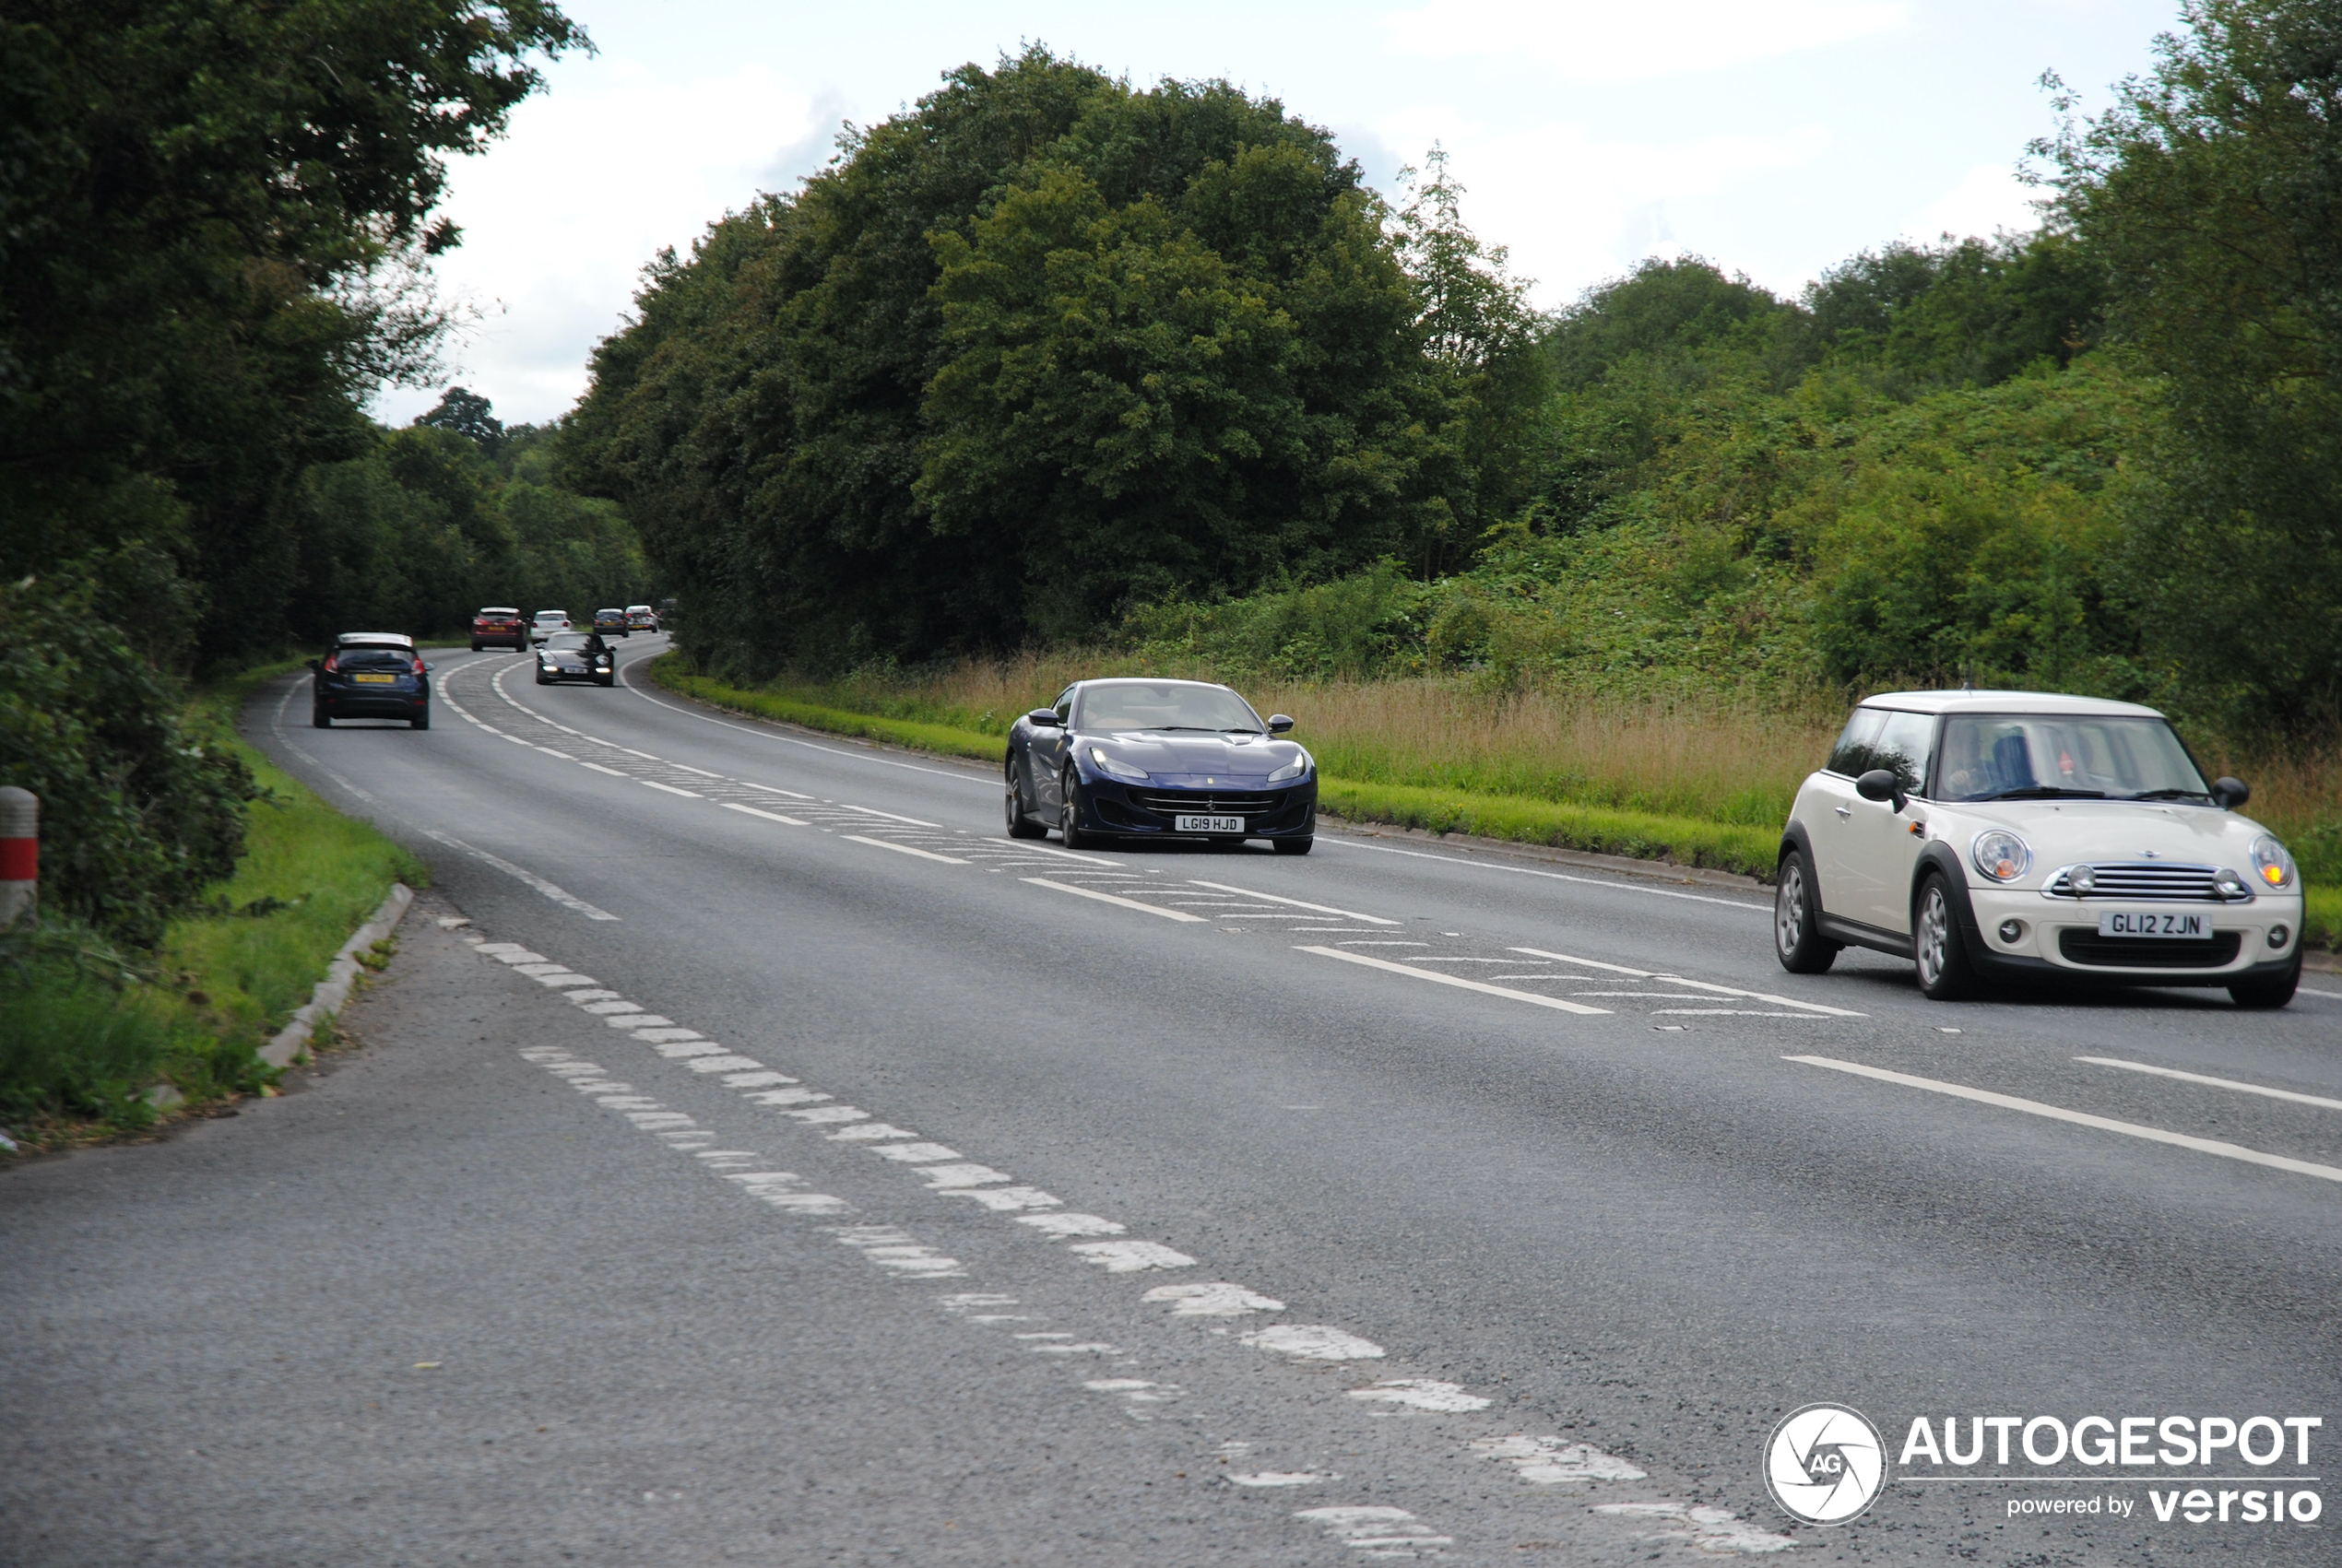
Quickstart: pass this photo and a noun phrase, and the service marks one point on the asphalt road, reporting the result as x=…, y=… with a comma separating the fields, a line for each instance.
x=968, y=1201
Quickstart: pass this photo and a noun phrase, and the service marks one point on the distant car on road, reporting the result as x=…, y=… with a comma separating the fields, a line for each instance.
x=610, y=622
x=641, y=618
x=371, y=675
x=549, y=623
x=2019, y=835
x=501, y=625
x=575, y=656
x=1159, y=759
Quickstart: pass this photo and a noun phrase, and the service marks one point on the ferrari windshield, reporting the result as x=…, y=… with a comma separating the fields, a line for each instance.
x=571, y=642
x=2022, y=755
x=1164, y=704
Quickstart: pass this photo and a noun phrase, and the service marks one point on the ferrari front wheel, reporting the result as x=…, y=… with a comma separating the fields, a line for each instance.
x=1069, y=815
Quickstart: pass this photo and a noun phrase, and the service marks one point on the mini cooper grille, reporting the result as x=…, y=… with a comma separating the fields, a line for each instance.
x=1204, y=803
x=2139, y=880
x=2135, y=952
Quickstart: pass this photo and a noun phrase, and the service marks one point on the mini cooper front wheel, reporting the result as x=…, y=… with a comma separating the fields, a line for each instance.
x=1940, y=956
x=1797, y=937
x=2260, y=995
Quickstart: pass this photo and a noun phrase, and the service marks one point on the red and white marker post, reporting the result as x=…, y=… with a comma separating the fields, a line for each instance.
x=19, y=856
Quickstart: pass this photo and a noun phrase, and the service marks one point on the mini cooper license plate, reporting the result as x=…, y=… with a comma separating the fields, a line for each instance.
x=2186, y=928
x=1208, y=824
x=375, y=679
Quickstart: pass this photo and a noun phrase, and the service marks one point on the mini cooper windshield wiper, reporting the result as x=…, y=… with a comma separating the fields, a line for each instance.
x=2170, y=794
x=2048, y=792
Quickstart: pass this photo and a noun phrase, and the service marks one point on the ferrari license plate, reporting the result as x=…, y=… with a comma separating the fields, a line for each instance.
x=375, y=679
x=1208, y=824
x=2186, y=928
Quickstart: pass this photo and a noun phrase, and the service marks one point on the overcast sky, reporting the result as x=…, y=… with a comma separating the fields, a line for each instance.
x=1774, y=137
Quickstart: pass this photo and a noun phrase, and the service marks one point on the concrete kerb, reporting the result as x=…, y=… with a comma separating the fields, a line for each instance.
x=330, y=996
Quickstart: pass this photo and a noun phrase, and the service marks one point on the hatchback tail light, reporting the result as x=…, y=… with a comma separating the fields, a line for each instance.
x=333, y=663
x=418, y=667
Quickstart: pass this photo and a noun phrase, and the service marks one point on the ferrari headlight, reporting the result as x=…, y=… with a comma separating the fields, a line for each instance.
x=2000, y=854
x=2271, y=863
x=1115, y=765
x=1292, y=770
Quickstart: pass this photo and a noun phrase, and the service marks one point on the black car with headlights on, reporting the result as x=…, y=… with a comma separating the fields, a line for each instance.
x=575, y=656
x=371, y=675
x=1139, y=758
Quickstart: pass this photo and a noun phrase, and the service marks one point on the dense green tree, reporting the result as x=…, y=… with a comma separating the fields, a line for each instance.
x=212, y=212
x=2212, y=190
x=1043, y=347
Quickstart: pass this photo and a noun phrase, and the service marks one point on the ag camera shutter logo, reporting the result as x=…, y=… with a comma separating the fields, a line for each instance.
x=1824, y=1464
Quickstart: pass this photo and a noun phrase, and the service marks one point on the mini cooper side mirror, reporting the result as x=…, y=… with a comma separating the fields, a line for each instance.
x=1042, y=718
x=1279, y=724
x=2228, y=793
x=1881, y=783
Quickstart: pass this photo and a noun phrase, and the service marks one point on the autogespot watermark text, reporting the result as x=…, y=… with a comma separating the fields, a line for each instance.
x=2165, y=1456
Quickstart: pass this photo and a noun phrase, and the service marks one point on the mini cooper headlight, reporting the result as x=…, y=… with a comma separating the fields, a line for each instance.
x=2000, y=854
x=1292, y=770
x=1115, y=765
x=2270, y=862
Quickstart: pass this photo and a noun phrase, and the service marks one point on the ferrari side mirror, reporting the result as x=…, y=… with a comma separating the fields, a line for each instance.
x=1279, y=724
x=1042, y=718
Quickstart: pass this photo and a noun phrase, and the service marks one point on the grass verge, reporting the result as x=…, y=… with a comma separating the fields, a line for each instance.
x=1518, y=819
x=86, y=1030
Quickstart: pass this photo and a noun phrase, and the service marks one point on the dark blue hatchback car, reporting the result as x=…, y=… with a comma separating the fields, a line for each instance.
x=371, y=675
x=1134, y=759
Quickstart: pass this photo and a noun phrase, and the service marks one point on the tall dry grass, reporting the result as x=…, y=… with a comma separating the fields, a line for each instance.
x=1694, y=754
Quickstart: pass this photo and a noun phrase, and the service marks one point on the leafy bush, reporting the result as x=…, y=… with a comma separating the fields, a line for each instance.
x=141, y=806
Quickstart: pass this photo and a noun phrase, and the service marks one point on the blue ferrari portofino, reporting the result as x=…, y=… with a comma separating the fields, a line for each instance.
x=1159, y=759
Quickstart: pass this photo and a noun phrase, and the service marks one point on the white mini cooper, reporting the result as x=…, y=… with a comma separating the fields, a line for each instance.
x=2005, y=835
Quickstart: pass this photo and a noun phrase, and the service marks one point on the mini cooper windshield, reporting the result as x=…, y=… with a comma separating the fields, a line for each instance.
x=1150, y=704
x=2051, y=757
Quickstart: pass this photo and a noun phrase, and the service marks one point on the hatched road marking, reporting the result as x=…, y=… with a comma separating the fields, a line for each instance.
x=1109, y=898
x=1557, y=1003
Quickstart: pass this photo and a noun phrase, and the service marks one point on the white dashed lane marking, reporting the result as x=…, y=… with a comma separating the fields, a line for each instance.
x=2079, y=1118
x=904, y=849
x=2297, y=1098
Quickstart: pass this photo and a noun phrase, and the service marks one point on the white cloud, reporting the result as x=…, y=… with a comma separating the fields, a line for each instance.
x=593, y=180
x=1576, y=208
x=1612, y=41
x=1987, y=199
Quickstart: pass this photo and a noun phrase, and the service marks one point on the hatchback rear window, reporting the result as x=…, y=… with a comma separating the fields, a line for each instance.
x=375, y=659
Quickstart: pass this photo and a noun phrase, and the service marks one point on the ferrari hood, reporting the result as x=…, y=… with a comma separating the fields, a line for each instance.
x=1178, y=757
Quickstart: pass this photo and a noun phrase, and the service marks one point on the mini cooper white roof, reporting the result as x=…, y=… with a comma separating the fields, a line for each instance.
x=2005, y=702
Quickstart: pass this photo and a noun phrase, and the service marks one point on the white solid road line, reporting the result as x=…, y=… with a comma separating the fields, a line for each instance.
x=2215, y=1082
x=1555, y=876
x=2329, y=996
x=558, y=895
x=613, y=772
x=686, y=793
x=769, y=734
x=1557, y=1003
x=768, y=816
x=902, y=849
x=2079, y=1118
x=1298, y=904
x=1109, y=898
x=874, y=811
x=1697, y=985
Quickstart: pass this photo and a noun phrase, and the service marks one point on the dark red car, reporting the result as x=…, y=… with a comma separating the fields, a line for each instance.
x=499, y=626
